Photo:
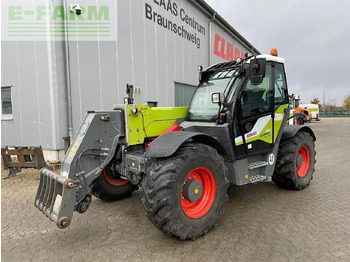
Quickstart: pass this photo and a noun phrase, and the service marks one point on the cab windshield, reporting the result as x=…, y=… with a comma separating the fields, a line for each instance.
x=202, y=108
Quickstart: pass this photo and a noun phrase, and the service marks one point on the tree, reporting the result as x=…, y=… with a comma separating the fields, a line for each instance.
x=346, y=105
x=315, y=101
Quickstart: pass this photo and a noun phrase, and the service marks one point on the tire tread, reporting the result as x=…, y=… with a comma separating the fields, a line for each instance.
x=159, y=184
x=285, y=170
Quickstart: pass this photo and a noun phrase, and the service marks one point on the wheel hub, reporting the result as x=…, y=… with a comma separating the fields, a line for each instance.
x=198, y=192
x=299, y=160
x=192, y=190
x=303, y=161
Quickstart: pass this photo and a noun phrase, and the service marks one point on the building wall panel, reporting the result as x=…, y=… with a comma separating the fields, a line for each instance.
x=141, y=50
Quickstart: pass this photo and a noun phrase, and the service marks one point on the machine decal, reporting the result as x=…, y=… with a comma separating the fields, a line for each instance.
x=266, y=134
x=252, y=134
x=74, y=149
x=279, y=117
x=263, y=124
x=278, y=121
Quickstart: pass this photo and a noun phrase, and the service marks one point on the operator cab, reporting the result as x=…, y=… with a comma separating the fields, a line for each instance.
x=249, y=96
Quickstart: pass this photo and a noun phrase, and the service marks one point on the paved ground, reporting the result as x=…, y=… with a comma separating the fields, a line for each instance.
x=261, y=222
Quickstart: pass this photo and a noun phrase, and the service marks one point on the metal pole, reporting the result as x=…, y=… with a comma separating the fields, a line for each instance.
x=324, y=99
x=68, y=80
x=210, y=38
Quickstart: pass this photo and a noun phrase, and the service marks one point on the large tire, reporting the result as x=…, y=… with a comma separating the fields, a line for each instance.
x=295, y=162
x=177, y=205
x=109, y=187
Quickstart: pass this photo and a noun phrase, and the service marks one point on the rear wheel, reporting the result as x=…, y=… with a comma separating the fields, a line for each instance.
x=295, y=162
x=185, y=193
x=299, y=121
x=109, y=186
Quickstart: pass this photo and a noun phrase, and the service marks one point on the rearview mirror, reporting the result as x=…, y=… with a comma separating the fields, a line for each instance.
x=217, y=98
x=257, y=70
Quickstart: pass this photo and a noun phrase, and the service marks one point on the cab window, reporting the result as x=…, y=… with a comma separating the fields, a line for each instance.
x=281, y=94
x=256, y=99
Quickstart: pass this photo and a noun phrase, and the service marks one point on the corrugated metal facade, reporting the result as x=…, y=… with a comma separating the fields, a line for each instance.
x=140, y=49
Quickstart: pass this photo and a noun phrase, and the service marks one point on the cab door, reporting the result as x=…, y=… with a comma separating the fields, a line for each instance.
x=280, y=98
x=260, y=112
x=254, y=115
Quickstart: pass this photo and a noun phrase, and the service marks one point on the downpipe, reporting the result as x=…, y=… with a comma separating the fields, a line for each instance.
x=210, y=38
x=68, y=80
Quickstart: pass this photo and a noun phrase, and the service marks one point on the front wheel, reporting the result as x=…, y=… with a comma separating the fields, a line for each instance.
x=109, y=186
x=185, y=193
x=295, y=162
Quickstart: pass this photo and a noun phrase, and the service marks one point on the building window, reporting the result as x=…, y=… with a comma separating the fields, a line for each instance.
x=183, y=94
x=6, y=103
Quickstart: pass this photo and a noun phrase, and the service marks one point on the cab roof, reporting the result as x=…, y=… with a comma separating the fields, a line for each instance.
x=229, y=64
x=271, y=58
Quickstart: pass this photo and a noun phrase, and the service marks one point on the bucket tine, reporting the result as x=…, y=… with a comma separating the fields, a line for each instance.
x=41, y=191
x=50, y=201
x=46, y=195
x=56, y=197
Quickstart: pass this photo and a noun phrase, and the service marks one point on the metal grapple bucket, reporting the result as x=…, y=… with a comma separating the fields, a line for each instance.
x=54, y=190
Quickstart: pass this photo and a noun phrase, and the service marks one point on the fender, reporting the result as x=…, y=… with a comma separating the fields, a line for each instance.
x=167, y=144
x=292, y=130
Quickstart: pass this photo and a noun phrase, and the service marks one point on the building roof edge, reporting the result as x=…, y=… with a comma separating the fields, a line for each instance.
x=222, y=22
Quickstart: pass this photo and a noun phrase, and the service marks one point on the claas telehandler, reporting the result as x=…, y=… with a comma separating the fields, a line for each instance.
x=184, y=158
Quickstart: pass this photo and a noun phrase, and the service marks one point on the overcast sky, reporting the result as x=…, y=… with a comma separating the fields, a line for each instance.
x=313, y=36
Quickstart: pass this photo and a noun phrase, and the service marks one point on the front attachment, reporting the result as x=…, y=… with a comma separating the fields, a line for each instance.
x=93, y=147
x=52, y=192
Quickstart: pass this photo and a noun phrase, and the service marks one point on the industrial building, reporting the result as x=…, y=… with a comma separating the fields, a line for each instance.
x=62, y=58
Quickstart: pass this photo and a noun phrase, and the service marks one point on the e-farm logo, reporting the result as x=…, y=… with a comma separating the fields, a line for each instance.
x=83, y=22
